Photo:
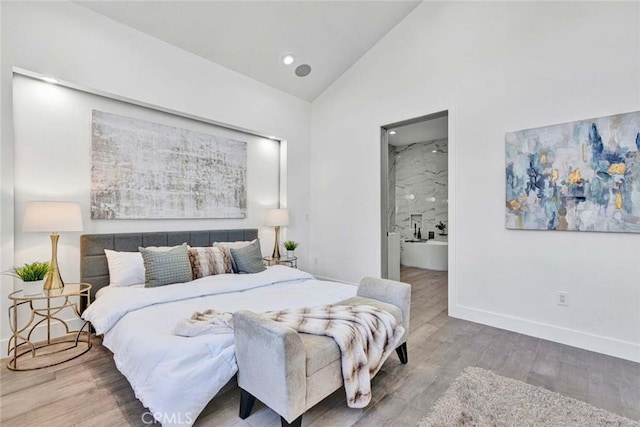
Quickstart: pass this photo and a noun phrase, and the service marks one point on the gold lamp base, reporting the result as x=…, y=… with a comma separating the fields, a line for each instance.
x=276, y=247
x=54, y=280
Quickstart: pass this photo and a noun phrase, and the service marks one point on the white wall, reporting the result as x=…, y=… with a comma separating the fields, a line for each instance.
x=74, y=44
x=497, y=67
x=52, y=161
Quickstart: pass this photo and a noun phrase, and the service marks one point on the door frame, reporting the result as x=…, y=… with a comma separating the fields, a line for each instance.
x=384, y=180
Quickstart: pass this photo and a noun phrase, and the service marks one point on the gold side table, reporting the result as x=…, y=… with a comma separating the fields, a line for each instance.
x=288, y=261
x=45, y=308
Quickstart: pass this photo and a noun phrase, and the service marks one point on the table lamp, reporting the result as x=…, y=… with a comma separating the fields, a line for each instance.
x=53, y=217
x=277, y=218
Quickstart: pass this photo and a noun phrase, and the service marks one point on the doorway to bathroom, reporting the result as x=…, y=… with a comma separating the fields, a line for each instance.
x=415, y=195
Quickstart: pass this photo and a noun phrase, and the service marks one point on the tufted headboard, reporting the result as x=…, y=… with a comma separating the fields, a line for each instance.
x=93, y=261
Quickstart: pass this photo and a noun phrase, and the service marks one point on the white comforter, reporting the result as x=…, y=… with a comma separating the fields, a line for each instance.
x=175, y=377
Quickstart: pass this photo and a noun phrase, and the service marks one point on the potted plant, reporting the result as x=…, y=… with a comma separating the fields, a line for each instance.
x=290, y=246
x=441, y=226
x=32, y=274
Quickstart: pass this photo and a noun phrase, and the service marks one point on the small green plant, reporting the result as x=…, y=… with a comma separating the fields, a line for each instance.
x=290, y=245
x=441, y=226
x=32, y=272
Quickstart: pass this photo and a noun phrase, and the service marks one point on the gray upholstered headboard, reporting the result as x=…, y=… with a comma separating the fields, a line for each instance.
x=93, y=262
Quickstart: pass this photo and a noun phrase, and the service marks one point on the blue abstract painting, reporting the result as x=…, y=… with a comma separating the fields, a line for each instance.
x=579, y=176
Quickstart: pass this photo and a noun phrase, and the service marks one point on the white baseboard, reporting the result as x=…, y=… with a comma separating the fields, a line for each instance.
x=40, y=333
x=609, y=346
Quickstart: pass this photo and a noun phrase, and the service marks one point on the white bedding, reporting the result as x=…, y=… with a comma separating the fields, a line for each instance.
x=101, y=290
x=175, y=377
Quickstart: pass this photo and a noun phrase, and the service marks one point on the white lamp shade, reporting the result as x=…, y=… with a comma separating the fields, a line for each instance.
x=277, y=217
x=52, y=216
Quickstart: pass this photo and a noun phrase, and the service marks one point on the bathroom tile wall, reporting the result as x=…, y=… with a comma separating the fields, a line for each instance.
x=421, y=171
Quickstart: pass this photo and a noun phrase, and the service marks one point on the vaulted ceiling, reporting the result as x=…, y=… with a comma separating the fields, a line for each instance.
x=251, y=37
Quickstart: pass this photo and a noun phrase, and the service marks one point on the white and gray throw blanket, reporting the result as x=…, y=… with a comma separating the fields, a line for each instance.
x=207, y=322
x=365, y=335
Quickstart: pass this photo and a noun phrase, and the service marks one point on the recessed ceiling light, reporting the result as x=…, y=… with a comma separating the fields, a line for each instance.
x=393, y=132
x=288, y=59
x=50, y=80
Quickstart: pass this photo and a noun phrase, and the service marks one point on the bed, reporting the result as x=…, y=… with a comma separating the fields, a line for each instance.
x=175, y=377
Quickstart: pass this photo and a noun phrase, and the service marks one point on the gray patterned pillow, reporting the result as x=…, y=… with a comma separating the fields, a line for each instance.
x=249, y=258
x=166, y=267
x=226, y=246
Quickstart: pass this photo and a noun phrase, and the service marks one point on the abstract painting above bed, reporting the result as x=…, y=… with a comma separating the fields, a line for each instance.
x=578, y=176
x=146, y=170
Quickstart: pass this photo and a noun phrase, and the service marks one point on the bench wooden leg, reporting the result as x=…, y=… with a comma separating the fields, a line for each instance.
x=402, y=354
x=295, y=423
x=246, y=403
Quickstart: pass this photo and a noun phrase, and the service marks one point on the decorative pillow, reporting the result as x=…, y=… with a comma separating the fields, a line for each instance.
x=227, y=247
x=209, y=261
x=166, y=267
x=249, y=258
x=125, y=268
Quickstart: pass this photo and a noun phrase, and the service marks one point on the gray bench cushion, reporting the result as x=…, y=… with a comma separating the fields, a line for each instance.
x=320, y=352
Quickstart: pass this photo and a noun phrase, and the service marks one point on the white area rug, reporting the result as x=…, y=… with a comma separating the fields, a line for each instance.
x=481, y=398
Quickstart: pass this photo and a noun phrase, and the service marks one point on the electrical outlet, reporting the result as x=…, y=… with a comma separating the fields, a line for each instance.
x=315, y=261
x=307, y=216
x=563, y=298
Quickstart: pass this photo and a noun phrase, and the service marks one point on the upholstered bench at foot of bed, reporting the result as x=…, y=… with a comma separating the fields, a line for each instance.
x=291, y=372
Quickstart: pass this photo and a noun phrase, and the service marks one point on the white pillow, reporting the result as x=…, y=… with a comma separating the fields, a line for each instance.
x=163, y=248
x=236, y=245
x=125, y=268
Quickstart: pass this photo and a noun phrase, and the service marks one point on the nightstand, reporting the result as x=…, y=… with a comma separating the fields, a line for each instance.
x=44, y=308
x=289, y=261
